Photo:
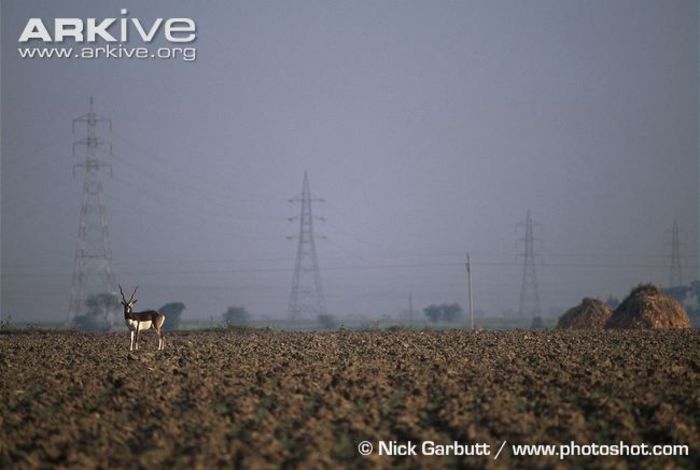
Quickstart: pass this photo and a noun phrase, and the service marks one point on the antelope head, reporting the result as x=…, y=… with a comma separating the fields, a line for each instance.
x=128, y=304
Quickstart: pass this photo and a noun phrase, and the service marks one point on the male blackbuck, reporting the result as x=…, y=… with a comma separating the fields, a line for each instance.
x=137, y=321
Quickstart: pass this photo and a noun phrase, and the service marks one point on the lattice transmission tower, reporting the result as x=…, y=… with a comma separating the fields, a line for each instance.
x=676, y=274
x=306, y=299
x=529, y=292
x=92, y=272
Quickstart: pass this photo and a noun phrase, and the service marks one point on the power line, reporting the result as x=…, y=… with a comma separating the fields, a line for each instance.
x=455, y=265
x=175, y=174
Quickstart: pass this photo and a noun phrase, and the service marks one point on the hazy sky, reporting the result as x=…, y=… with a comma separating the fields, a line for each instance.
x=428, y=127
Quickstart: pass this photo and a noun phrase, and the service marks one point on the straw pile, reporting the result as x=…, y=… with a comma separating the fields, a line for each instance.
x=647, y=307
x=590, y=314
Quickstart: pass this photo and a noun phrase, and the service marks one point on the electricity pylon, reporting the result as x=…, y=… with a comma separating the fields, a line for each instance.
x=529, y=293
x=92, y=272
x=676, y=274
x=306, y=299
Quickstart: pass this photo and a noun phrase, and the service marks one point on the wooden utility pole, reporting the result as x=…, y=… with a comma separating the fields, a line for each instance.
x=469, y=286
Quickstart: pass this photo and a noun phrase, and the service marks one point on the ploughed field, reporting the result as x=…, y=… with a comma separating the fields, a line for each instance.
x=262, y=398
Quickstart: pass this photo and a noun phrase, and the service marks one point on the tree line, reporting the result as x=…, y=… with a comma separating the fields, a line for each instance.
x=99, y=308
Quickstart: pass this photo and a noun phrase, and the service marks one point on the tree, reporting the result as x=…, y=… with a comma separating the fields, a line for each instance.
x=236, y=315
x=451, y=312
x=443, y=312
x=537, y=323
x=680, y=293
x=89, y=323
x=173, y=313
x=689, y=298
x=102, y=305
x=695, y=291
x=433, y=313
x=327, y=321
x=98, y=316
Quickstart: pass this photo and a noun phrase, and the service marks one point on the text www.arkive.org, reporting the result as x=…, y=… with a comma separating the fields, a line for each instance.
x=109, y=51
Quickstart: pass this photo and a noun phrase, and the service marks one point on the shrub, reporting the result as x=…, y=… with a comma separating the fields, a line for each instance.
x=236, y=316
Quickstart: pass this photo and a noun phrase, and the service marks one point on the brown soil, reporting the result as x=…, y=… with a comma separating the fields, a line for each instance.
x=266, y=399
x=647, y=307
x=590, y=314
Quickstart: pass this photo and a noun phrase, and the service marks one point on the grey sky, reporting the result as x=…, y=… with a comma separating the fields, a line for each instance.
x=428, y=127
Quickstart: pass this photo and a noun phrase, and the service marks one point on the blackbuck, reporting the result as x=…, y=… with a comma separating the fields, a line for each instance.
x=138, y=321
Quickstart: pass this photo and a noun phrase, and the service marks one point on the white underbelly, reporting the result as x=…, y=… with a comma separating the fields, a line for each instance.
x=140, y=325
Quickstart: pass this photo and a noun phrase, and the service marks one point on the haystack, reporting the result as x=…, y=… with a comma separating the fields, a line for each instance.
x=647, y=307
x=590, y=314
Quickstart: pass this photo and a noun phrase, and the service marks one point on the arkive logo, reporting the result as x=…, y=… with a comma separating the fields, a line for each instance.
x=176, y=30
x=108, y=38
